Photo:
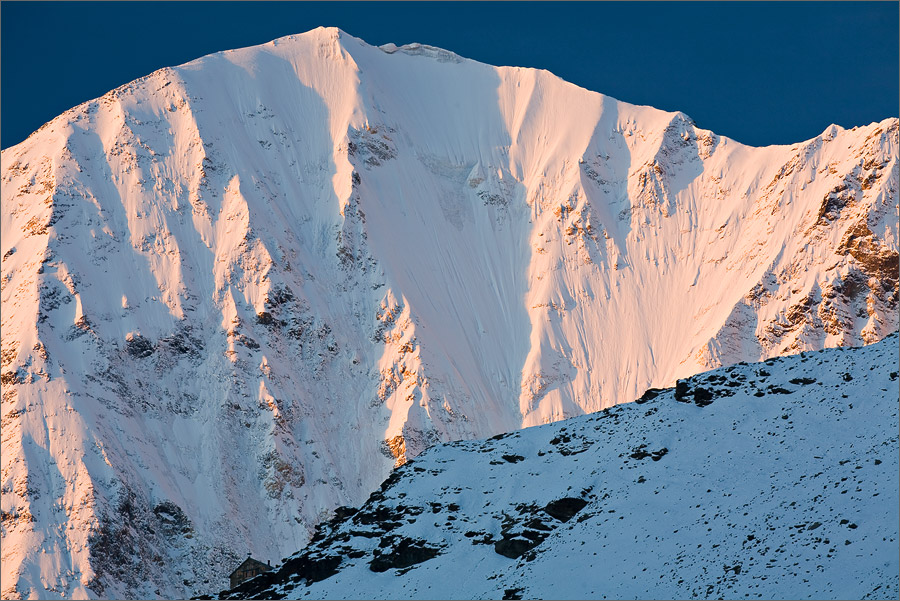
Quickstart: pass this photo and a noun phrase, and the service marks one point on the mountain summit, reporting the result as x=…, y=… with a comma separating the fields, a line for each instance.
x=237, y=292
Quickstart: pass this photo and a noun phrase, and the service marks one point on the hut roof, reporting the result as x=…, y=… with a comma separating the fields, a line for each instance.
x=250, y=563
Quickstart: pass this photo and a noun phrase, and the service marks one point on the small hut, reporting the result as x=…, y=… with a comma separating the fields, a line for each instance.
x=247, y=570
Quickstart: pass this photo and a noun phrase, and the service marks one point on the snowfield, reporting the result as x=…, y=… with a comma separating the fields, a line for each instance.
x=775, y=480
x=238, y=292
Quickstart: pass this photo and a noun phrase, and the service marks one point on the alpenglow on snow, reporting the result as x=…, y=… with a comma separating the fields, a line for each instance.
x=253, y=284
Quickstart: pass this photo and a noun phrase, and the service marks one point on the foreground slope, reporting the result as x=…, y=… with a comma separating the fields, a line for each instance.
x=771, y=480
x=252, y=284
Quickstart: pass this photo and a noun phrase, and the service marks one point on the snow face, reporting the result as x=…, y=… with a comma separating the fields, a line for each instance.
x=237, y=292
x=775, y=480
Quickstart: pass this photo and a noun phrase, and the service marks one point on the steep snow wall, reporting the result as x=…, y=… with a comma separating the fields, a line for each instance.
x=237, y=292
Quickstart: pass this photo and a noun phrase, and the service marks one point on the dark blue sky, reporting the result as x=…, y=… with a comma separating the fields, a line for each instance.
x=762, y=73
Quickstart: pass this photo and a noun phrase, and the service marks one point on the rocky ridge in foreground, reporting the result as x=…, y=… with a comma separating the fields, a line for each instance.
x=768, y=480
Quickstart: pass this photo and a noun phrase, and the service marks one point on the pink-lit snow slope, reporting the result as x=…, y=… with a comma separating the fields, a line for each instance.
x=237, y=292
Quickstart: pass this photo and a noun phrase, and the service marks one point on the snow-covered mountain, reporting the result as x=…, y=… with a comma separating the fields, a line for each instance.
x=775, y=480
x=237, y=292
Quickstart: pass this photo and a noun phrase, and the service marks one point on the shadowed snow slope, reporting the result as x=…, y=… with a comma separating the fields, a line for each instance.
x=237, y=292
x=775, y=480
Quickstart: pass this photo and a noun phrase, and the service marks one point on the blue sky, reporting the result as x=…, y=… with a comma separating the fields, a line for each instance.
x=759, y=72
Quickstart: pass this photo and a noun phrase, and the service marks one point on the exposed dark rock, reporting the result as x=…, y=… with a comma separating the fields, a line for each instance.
x=537, y=524
x=137, y=346
x=566, y=508
x=384, y=517
x=876, y=259
x=657, y=455
x=681, y=391
x=182, y=342
x=703, y=397
x=513, y=548
x=124, y=546
x=649, y=395
x=562, y=437
x=365, y=533
x=492, y=199
x=640, y=453
x=779, y=390
x=313, y=570
x=735, y=568
x=343, y=512
x=19, y=376
x=404, y=553
x=246, y=341
x=172, y=519
x=480, y=538
x=278, y=297
x=578, y=444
